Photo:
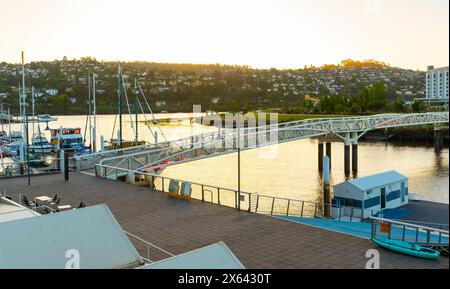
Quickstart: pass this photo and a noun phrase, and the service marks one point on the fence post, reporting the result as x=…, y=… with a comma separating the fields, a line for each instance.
x=340, y=211
x=257, y=203
x=66, y=166
x=273, y=205
x=404, y=232
x=303, y=206
x=218, y=196
x=351, y=215
x=203, y=193
x=250, y=203
x=428, y=236
x=288, y=207
x=77, y=163
x=315, y=211
x=374, y=230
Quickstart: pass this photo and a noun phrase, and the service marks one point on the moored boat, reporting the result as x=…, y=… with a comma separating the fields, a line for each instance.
x=12, y=148
x=407, y=248
x=70, y=138
x=2, y=153
x=40, y=145
x=15, y=136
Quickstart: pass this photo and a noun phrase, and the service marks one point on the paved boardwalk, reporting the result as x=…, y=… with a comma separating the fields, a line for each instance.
x=180, y=226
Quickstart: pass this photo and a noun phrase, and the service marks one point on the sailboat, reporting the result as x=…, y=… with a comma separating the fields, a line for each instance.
x=39, y=143
x=119, y=142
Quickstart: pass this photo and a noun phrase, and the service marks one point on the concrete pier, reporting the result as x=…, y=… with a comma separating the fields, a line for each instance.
x=438, y=139
x=320, y=158
x=347, y=144
x=326, y=179
x=355, y=158
x=354, y=153
x=328, y=151
x=347, y=160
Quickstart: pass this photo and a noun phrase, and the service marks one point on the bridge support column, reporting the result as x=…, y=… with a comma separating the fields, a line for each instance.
x=131, y=178
x=320, y=159
x=347, y=145
x=438, y=139
x=328, y=152
x=326, y=176
x=355, y=153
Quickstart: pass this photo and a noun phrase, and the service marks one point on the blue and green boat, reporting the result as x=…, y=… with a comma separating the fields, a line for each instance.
x=407, y=248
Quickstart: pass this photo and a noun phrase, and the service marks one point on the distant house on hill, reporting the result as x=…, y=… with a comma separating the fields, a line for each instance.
x=52, y=92
x=160, y=103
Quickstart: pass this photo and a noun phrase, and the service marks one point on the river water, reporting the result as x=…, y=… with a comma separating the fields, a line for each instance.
x=288, y=170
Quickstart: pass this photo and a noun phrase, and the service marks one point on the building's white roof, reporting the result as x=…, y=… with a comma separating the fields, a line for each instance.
x=377, y=180
x=216, y=256
x=42, y=242
x=10, y=211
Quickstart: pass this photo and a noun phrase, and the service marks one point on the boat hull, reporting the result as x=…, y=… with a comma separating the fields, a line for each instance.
x=41, y=150
x=408, y=249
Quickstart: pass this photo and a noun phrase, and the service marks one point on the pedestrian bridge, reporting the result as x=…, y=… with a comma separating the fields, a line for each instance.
x=224, y=141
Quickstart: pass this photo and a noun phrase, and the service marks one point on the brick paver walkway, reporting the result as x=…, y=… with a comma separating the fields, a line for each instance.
x=180, y=226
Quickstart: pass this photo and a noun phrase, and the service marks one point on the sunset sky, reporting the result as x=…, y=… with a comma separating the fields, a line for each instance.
x=259, y=33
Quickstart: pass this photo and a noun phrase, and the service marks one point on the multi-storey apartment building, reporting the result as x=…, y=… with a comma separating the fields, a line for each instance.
x=437, y=83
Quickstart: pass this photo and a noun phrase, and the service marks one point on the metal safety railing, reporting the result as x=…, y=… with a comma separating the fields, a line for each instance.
x=243, y=201
x=233, y=198
x=308, y=209
x=33, y=167
x=147, y=247
x=408, y=232
x=88, y=161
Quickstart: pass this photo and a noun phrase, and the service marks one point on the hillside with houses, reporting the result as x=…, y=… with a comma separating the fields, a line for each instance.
x=60, y=86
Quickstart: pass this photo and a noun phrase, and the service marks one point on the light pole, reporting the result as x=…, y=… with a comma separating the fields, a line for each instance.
x=239, y=158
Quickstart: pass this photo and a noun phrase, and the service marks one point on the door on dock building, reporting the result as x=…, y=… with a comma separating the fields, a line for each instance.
x=403, y=192
x=383, y=198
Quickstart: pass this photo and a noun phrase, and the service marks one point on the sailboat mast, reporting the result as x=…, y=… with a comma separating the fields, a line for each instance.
x=2, y=114
x=22, y=99
x=9, y=121
x=119, y=77
x=90, y=110
x=94, y=132
x=20, y=102
x=32, y=107
x=25, y=123
x=136, y=111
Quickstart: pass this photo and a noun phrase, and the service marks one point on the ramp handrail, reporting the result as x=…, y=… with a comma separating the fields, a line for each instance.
x=430, y=232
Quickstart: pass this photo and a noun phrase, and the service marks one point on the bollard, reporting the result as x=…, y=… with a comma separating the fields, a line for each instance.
x=77, y=163
x=66, y=166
